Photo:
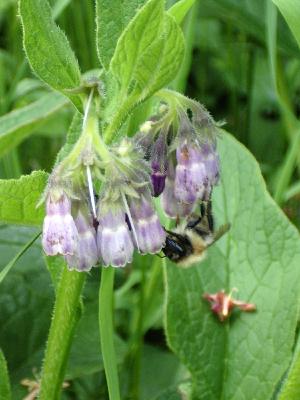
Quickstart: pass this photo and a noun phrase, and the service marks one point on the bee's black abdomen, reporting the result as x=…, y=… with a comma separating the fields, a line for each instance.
x=177, y=247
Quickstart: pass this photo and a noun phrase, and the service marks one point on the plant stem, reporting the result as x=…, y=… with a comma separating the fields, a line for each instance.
x=107, y=332
x=65, y=317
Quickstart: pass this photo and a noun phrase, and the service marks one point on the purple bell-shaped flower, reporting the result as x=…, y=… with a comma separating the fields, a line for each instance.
x=114, y=239
x=150, y=235
x=190, y=176
x=86, y=255
x=172, y=207
x=211, y=162
x=60, y=235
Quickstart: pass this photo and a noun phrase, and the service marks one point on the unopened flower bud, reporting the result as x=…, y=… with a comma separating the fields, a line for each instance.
x=149, y=233
x=114, y=239
x=190, y=177
x=60, y=235
x=172, y=207
x=86, y=255
x=159, y=165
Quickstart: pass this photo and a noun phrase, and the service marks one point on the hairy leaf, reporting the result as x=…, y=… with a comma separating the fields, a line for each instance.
x=291, y=12
x=160, y=63
x=20, y=123
x=48, y=49
x=111, y=19
x=245, y=357
x=136, y=40
x=72, y=136
x=19, y=198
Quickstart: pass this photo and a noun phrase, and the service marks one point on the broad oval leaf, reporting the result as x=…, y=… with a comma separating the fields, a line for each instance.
x=160, y=63
x=135, y=41
x=180, y=9
x=19, y=199
x=19, y=124
x=244, y=358
x=47, y=48
x=111, y=19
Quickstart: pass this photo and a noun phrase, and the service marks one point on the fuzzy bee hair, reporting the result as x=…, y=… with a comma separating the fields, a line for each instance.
x=187, y=243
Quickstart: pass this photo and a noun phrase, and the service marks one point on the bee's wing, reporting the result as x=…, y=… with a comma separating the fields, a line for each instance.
x=220, y=232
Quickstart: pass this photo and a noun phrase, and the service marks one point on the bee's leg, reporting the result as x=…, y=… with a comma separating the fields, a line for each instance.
x=209, y=215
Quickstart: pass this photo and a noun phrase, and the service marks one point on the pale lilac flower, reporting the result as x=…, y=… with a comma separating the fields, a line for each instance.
x=60, y=235
x=114, y=239
x=190, y=176
x=149, y=233
x=172, y=207
x=86, y=255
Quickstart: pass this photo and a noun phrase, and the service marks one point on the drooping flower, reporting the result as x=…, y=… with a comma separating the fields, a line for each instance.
x=60, y=235
x=190, y=176
x=86, y=255
x=150, y=235
x=172, y=207
x=113, y=238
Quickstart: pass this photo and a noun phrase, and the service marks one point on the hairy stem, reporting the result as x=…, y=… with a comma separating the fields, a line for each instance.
x=65, y=317
x=107, y=332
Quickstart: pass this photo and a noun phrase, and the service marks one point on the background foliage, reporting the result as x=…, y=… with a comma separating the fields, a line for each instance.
x=242, y=61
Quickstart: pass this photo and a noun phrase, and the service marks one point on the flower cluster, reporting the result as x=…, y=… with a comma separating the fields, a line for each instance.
x=172, y=156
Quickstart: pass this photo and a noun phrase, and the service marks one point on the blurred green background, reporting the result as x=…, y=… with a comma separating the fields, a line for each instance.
x=243, y=64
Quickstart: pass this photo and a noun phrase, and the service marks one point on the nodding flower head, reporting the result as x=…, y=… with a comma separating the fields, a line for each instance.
x=113, y=237
x=149, y=233
x=86, y=255
x=60, y=235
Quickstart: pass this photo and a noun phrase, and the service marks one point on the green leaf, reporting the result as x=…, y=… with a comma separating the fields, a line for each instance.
x=25, y=302
x=73, y=134
x=291, y=12
x=180, y=9
x=48, y=49
x=160, y=63
x=135, y=42
x=5, y=393
x=19, y=198
x=19, y=124
x=246, y=357
x=291, y=388
x=111, y=19
x=23, y=250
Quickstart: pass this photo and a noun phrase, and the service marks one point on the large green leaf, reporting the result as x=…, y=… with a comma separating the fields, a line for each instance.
x=136, y=40
x=160, y=63
x=245, y=358
x=111, y=19
x=19, y=199
x=47, y=48
x=20, y=123
x=180, y=9
x=290, y=9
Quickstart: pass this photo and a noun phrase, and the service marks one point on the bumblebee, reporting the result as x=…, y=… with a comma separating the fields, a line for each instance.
x=187, y=244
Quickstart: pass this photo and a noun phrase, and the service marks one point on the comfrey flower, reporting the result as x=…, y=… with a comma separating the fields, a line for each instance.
x=114, y=239
x=60, y=235
x=150, y=236
x=86, y=254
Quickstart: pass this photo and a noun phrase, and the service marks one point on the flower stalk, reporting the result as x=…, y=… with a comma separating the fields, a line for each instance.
x=107, y=332
x=65, y=317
